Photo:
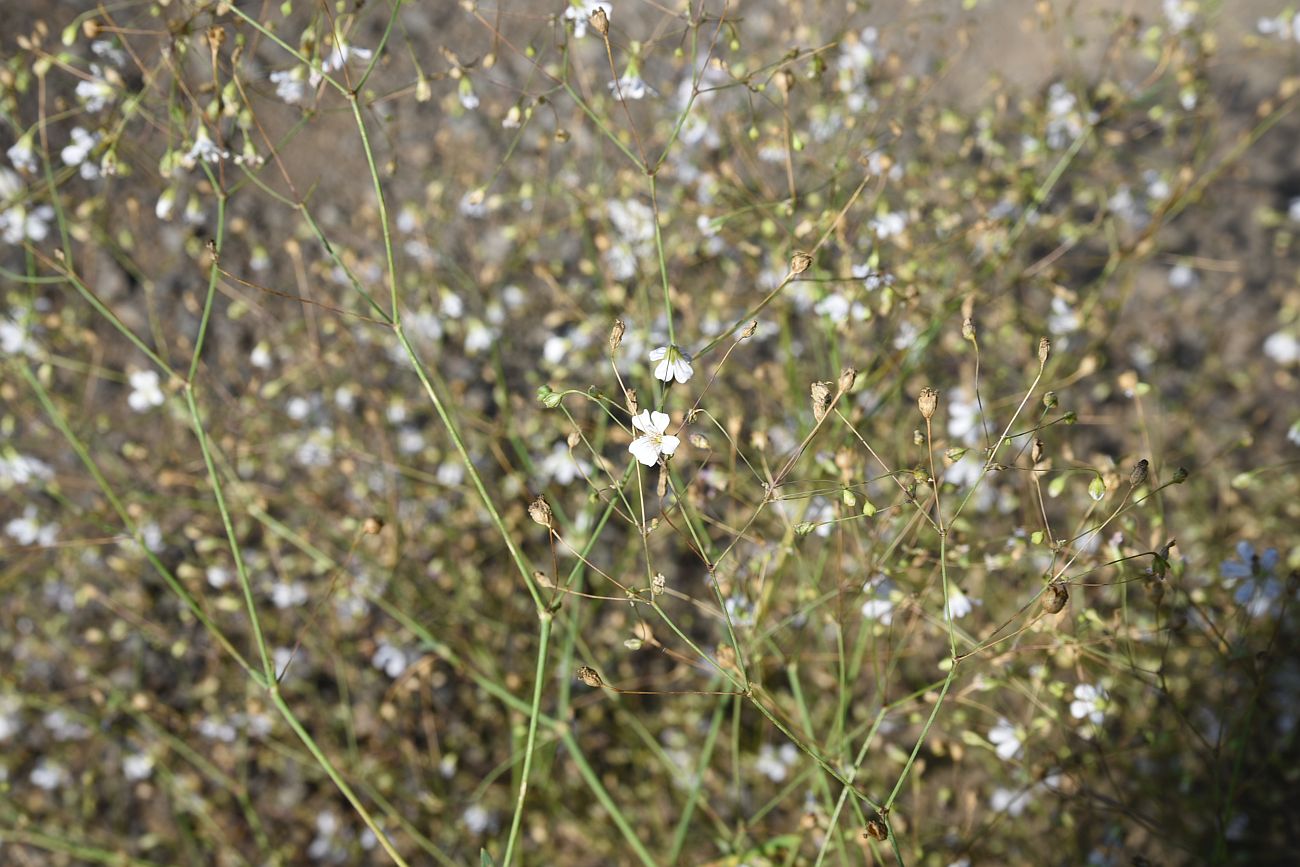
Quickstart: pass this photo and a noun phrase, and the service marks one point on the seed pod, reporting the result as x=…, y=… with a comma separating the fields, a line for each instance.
x=847, y=377
x=821, y=398
x=1139, y=474
x=698, y=441
x=1180, y=475
x=590, y=677
x=1037, y=454
x=540, y=511
x=573, y=439
x=1049, y=399
x=616, y=333
x=1044, y=350
x=1055, y=597
x=968, y=329
x=599, y=21
x=632, y=406
x=749, y=330
x=542, y=579
x=658, y=584
x=876, y=828
x=800, y=262
x=927, y=402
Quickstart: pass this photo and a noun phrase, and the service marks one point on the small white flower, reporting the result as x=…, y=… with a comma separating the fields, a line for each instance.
x=289, y=85
x=477, y=820
x=22, y=155
x=1283, y=348
x=137, y=766
x=632, y=87
x=48, y=775
x=775, y=763
x=889, y=225
x=1005, y=740
x=95, y=92
x=655, y=441
x=1009, y=801
x=959, y=604
x=389, y=659
x=205, y=149
x=145, y=391
x=673, y=364
x=166, y=205
x=79, y=148
x=580, y=13
x=1089, y=702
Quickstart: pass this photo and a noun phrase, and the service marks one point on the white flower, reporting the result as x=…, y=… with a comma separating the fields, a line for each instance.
x=1009, y=801
x=959, y=604
x=1063, y=319
x=340, y=55
x=775, y=763
x=48, y=775
x=389, y=659
x=673, y=364
x=145, y=391
x=477, y=820
x=1257, y=574
x=580, y=13
x=1005, y=740
x=137, y=766
x=95, y=92
x=288, y=595
x=22, y=155
x=80, y=147
x=560, y=466
x=205, y=149
x=655, y=441
x=1283, y=348
x=631, y=87
x=289, y=85
x=166, y=205
x=879, y=606
x=1090, y=702
x=889, y=225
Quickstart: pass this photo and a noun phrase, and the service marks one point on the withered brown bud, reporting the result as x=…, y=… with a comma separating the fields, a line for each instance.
x=616, y=334
x=968, y=328
x=928, y=402
x=632, y=406
x=216, y=37
x=590, y=677
x=821, y=399
x=540, y=511
x=91, y=28
x=698, y=441
x=1055, y=597
x=876, y=828
x=1180, y=475
x=599, y=21
x=847, y=377
x=1140, y=472
x=542, y=579
x=749, y=330
x=372, y=526
x=1044, y=350
x=800, y=262
x=1037, y=453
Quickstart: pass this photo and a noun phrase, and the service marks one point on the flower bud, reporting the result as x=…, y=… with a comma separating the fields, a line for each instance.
x=968, y=329
x=1049, y=399
x=658, y=584
x=927, y=402
x=1180, y=475
x=847, y=377
x=550, y=399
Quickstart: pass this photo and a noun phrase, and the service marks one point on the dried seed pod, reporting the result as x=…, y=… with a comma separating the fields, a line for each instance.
x=616, y=333
x=1044, y=350
x=590, y=677
x=599, y=21
x=372, y=526
x=928, y=402
x=540, y=511
x=847, y=377
x=876, y=828
x=658, y=584
x=1055, y=597
x=698, y=441
x=573, y=439
x=1139, y=474
x=821, y=398
x=968, y=329
x=800, y=262
x=1180, y=475
x=632, y=406
x=749, y=330
x=1049, y=399
x=542, y=579
x=1037, y=454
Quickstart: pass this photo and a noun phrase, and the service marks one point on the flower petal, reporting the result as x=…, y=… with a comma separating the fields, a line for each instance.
x=663, y=371
x=668, y=444
x=658, y=354
x=645, y=450
x=659, y=420
x=641, y=421
x=682, y=370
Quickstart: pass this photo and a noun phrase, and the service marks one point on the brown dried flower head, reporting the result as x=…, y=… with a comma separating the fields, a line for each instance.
x=1140, y=472
x=1037, y=453
x=633, y=406
x=749, y=330
x=540, y=511
x=821, y=398
x=1044, y=350
x=1055, y=598
x=847, y=377
x=599, y=21
x=928, y=402
x=590, y=677
x=876, y=828
x=616, y=333
x=800, y=262
x=968, y=328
